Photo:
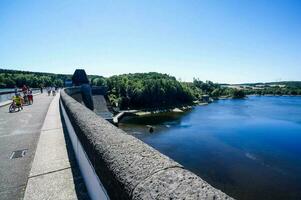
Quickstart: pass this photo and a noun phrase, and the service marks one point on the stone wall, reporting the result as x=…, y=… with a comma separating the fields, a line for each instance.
x=129, y=168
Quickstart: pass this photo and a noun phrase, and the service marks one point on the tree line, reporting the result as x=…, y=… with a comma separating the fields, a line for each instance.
x=156, y=90
x=12, y=78
x=276, y=90
x=145, y=90
x=273, y=88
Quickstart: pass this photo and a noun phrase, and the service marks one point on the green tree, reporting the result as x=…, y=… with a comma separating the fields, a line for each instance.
x=238, y=94
x=99, y=81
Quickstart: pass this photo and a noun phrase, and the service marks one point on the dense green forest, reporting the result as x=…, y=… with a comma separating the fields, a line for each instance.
x=153, y=90
x=147, y=90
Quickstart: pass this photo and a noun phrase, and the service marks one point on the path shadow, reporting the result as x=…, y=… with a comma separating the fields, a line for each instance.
x=80, y=187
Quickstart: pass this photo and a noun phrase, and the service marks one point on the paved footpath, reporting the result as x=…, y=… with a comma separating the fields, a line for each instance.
x=54, y=174
x=19, y=131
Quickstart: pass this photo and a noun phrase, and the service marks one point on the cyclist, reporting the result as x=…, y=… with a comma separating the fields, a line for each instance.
x=18, y=101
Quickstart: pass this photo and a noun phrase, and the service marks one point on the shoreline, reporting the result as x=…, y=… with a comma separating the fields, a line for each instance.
x=274, y=95
x=178, y=109
x=184, y=108
x=175, y=109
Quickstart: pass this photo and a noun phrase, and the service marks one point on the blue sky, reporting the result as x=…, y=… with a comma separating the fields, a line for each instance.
x=229, y=41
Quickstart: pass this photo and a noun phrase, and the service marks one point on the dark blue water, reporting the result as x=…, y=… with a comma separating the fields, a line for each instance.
x=250, y=149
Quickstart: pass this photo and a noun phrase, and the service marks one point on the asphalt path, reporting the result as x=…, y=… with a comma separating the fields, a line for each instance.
x=19, y=131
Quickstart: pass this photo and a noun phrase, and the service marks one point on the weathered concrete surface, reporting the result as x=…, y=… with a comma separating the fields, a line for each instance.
x=176, y=183
x=18, y=131
x=100, y=107
x=54, y=173
x=126, y=165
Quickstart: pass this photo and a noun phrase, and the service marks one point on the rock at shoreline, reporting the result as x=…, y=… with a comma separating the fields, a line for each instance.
x=177, y=110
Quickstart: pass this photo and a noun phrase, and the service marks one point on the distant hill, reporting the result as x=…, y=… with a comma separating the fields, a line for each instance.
x=286, y=83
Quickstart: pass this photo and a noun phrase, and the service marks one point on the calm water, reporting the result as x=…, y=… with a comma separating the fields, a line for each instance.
x=250, y=149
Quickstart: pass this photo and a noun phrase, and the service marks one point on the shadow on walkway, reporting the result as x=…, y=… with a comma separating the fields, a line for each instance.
x=80, y=186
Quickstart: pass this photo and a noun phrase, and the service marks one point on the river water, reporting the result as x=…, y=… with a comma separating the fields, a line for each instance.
x=250, y=149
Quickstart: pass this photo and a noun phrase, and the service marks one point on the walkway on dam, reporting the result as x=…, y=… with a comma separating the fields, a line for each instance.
x=48, y=169
x=19, y=131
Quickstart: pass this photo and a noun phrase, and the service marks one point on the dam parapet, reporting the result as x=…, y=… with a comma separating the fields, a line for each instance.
x=125, y=166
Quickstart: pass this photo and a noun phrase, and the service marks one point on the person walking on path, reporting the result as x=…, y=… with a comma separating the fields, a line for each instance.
x=16, y=90
x=48, y=91
x=30, y=97
x=24, y=89
x=53, y=91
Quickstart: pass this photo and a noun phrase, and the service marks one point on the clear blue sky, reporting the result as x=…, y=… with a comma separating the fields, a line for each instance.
x=229, y=41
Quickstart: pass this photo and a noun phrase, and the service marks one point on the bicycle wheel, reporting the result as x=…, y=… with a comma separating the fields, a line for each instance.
x=12, y=108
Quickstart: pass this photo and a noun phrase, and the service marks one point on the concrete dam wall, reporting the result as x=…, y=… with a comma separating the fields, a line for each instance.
x=127, y=167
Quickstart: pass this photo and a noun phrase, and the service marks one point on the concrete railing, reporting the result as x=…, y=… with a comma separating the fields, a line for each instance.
x=127, y=167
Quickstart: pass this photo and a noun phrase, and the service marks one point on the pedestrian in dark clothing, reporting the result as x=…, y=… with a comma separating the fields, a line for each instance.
x=16, y=90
